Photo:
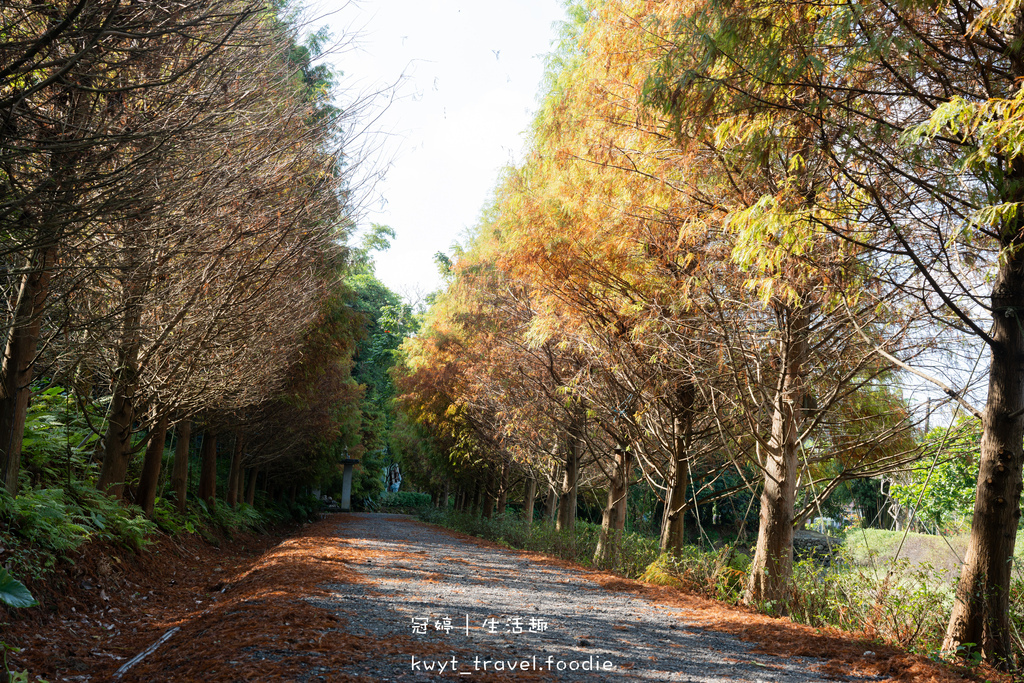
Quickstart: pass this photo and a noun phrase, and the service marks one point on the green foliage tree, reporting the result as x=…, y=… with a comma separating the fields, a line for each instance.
x=386, y=321
x=941, y=489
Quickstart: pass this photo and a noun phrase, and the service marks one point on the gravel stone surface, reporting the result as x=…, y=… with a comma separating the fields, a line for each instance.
x=492, y=614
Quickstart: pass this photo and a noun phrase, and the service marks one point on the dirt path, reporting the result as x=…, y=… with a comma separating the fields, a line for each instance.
x=482, y=611
x=373, y=598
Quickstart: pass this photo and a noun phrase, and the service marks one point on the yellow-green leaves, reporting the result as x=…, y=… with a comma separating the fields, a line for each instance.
x=994, y=127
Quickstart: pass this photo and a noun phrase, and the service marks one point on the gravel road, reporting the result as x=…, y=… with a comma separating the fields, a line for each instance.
x=482, y=613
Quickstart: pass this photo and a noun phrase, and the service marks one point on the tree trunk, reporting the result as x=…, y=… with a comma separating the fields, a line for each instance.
x=19, y=361
x=981, y=608
x=503, y=489
x=208, y=470
x=772, y=565
x=250, y=495
x=489, y=485
x=613, y=522
x=179, y=472
x=551, y=504
x=478, y=498
x=240, y=493
x=235, y=473
x=118, y=439
x=445, y=495
x=567, y=496
x=145, y=497
x=673, y=525
x=570, y=483
x=241, y=484
x=673, y=522
x=529, y=498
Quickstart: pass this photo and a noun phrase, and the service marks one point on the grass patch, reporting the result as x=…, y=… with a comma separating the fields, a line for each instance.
x=876, y=549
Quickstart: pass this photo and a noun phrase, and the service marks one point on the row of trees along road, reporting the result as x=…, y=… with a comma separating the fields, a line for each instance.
x=174, y=198
x=739, y=228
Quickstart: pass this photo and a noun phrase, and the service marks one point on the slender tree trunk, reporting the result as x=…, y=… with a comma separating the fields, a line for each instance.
x=529, y=498
x=208, y=470
x=19, y=361
x=118, y=438
x=503, y=489
x=179, y=471
x=551, y=504
x=772, y=566
x=240, y=494
x=478, y=498
x=445, y=495
x=981, y=607
x=570, y=483
x=567, y=496
x=235, y=473
x=613, y=522
x=250, y=495
x=145, y=497
x=489, y=494
x=673, y=525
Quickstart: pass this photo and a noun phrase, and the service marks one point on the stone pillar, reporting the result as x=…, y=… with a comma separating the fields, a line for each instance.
x=346, y=484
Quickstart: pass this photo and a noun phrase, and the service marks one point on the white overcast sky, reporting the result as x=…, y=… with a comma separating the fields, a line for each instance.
x=468, y=73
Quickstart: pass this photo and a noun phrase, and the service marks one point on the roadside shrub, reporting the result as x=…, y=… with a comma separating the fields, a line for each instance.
x=407, y=502
x=908, y=604
x=638, y=552
x=662, y=572
x=719, y=574
x=434, y=515
x=167, y=517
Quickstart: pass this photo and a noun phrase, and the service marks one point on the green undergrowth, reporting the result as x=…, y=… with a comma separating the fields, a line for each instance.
x=59, y=509
x=719, y=574
x=863, y=590
x=41, y=527
x=402, y=502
